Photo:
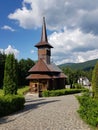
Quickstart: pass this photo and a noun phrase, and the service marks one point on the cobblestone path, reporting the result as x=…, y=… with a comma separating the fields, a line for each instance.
x=53, y=113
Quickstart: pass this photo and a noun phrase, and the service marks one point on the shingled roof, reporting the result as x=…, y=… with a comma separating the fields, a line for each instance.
x=45, y=76
x=42, y=66
x=38, y=76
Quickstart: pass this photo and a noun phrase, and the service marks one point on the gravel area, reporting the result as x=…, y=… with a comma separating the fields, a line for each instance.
x=53, y=113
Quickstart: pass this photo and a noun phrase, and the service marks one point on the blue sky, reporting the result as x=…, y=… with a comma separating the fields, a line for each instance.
x=18, y=38
x=72, y=28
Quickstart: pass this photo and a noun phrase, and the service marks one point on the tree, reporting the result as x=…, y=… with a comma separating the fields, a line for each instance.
x=23, y=67
x=72, y=76
x=10, y=75
x=95, y=81
x=2, y=63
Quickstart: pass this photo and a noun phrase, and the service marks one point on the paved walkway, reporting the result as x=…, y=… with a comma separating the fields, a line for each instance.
x=53, y=113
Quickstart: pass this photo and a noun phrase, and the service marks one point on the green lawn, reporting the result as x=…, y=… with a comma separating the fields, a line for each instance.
x=23, y=90
x=1, y=92
x=20, y=90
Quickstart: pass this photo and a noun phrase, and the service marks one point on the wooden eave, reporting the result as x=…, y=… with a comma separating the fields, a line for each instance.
x=38, y=76
x=43, y=44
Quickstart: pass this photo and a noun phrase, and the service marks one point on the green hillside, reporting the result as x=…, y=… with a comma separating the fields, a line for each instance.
x=83, y=66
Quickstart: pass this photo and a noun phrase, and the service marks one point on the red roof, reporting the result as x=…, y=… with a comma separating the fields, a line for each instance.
x=41, y=43
x=38, y=76
x=62, y=75
x=40, y=66
x=45, y=76
x=40, y=69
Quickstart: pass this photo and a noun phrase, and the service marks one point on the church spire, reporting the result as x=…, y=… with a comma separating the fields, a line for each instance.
x=44, y=39
x=44, y=33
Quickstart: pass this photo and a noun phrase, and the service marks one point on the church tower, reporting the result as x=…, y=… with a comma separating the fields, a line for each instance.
x=44, y=48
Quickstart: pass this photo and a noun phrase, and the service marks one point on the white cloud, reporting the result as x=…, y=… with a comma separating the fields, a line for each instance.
x=32, y=51
x=6, y=27
x=69, y=13
x=10, y=50
x=27, y=18
x=73, y=46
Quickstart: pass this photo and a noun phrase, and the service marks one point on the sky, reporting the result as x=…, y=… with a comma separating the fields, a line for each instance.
x=72, y=28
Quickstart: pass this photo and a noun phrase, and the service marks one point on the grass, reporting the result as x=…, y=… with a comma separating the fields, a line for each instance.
x=21, y=91
x=1, y=92
x=88, y=109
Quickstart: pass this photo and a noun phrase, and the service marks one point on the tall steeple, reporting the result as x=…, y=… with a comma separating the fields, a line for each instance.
x=44, y=39
x=44, y=48
x=44, y=33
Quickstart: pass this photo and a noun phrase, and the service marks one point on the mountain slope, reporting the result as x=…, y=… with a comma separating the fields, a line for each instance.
x=83, y=66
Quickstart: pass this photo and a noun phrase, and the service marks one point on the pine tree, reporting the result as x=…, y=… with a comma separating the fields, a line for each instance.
x=10, y=75
x=95, y=81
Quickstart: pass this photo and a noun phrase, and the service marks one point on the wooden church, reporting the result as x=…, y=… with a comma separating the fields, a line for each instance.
x=45, y=75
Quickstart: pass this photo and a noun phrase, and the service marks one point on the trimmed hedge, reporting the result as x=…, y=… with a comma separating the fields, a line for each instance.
x=60, y=92
x=88, y=109
x=10, y=104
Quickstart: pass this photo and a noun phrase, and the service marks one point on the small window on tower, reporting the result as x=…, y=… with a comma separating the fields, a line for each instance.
x=48, y=52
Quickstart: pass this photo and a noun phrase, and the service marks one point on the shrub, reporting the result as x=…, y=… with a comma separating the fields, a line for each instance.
x=10, y=104
x=88, y=109
x=60, y=92
x=78, y=86
x=95, y=81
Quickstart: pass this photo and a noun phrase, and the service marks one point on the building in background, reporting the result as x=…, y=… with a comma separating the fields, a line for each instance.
x=84, y=81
